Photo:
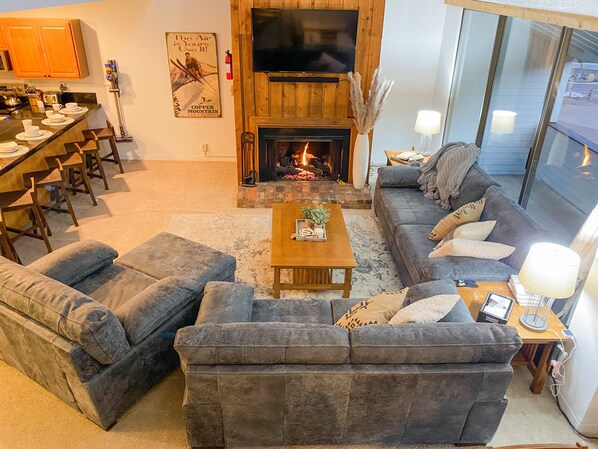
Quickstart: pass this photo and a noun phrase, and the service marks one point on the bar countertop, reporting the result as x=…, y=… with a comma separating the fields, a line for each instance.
x=11, y=126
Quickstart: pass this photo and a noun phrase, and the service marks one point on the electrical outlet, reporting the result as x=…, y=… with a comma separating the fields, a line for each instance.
x=204, y=148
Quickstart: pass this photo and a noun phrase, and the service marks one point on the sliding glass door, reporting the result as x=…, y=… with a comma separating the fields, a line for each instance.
x=474, y=56
x=565, y=186
x=517, y=92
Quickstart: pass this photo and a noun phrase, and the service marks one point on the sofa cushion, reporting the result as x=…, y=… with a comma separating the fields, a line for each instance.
x=426, y=310
x=434, y=343
x=145, y=312
x=470, y=231
x=399, y=176
x=473, y=248
x=64, y=310
x=73, y=263
x=376, y=310
x=318, y=311
x=225, y=302
x=408, y=206
x=473, y=187
x=262, y=344
x=414, y=247
x=114, y=285
x=169, y=255
x=465, y=214
x=458, y=314
x=514, y=226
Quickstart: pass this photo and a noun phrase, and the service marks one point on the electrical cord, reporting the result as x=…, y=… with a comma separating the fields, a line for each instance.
x=558, y=380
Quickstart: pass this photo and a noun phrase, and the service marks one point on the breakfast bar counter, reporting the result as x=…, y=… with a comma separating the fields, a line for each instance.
x=13, y=169
x=11, y=126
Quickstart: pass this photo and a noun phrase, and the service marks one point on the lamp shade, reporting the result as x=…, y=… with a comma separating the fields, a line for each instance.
x=550, y=270
x=503, y=122
x=428, y=122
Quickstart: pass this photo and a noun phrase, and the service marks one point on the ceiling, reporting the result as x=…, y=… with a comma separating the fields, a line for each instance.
x=581, y=14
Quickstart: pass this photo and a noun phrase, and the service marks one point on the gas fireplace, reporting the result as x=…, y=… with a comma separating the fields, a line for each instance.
x=304, y=154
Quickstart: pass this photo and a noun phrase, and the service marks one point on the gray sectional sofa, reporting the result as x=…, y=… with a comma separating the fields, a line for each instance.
x=407, y=217
x=98, y=333
x=264, y=372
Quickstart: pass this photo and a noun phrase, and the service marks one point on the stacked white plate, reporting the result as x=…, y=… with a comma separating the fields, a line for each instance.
x=66, y=121
x=12, y=149
x=42, y=134
x=77, y=110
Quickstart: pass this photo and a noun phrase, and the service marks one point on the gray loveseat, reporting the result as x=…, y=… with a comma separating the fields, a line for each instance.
x=98, y=333
x=407, y=217
x=278, y=372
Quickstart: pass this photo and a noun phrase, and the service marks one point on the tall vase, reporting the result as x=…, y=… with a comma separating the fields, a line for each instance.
x=361, y=154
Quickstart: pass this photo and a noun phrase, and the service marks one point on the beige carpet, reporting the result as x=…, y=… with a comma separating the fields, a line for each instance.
x=248, y=238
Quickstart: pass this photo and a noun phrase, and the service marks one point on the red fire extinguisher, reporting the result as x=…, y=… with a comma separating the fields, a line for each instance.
x=228, y=60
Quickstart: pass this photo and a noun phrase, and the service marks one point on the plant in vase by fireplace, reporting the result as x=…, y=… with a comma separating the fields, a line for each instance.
x=318, y=215
x=365, y=116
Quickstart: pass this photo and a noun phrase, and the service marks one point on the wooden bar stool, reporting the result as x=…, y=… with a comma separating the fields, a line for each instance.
x=8, y=249
x=90, y=153
x=108, y=134
x=26, y=200
x=75, y=173
x=54, y=178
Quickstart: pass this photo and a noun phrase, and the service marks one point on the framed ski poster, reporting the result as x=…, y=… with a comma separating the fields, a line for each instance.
x=193, y=63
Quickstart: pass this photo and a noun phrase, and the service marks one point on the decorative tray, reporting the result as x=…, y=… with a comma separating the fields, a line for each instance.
x=305, y=233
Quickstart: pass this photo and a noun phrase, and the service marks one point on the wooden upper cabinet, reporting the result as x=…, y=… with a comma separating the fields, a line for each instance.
x=46, y=48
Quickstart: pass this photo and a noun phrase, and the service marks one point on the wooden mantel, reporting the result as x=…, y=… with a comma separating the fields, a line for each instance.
x=258, y=102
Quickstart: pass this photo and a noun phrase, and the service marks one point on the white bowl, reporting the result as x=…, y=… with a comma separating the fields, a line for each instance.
x=57, y=118
x=8, y=147
x=71, y=106
x=33, y=131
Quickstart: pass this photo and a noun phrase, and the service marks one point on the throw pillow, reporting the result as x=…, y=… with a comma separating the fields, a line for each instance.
x=470, y=231
x=428, y=310
x=473, y=248
x=376, y=310
x=465, y=214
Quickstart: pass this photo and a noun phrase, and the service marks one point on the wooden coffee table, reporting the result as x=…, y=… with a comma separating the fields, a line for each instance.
x=534, y=343
x=312, y=263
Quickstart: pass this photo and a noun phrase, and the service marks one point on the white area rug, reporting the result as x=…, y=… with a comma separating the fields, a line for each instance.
x=248, y=238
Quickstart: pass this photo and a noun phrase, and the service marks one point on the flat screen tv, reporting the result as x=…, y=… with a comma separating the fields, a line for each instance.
x=304, y=40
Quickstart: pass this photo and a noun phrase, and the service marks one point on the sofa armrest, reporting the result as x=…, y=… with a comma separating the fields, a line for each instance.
x=148, y=310
x=225, y=302
x=73, y=263
x=434, y=343
x=262, y=344
x=398, y=176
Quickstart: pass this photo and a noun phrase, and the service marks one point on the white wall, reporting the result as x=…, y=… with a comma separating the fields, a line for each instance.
x=133, y=33
x=412, y=46
x=579, y=395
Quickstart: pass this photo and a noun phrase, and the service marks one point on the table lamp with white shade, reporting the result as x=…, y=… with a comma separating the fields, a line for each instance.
x=549, y=272
x=427, y=124
x=503, y=122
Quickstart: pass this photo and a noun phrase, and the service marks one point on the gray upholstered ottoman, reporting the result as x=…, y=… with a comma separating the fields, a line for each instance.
x=170, y=255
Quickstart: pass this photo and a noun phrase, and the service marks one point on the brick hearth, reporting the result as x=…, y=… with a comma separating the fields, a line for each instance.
x=266, y=193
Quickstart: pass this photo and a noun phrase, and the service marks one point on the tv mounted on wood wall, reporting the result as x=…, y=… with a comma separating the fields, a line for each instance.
x=304, y=40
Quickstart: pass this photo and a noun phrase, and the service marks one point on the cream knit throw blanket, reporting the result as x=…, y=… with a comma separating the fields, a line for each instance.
x=444, y=172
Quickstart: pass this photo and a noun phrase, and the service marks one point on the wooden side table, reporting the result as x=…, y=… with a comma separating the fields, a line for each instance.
x=534, y=343
x=391, y=153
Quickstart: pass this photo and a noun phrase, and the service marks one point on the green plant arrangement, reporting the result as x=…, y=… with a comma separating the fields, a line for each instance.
x=318, y=215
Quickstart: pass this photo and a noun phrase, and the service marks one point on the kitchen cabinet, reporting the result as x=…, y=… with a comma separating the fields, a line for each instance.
x=2, y=40
x=46, y=48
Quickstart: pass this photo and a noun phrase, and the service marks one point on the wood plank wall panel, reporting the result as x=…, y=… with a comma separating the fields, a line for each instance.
x=256, y=96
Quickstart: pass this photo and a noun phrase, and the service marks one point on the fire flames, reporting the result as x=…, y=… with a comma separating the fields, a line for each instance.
x=587, y=158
